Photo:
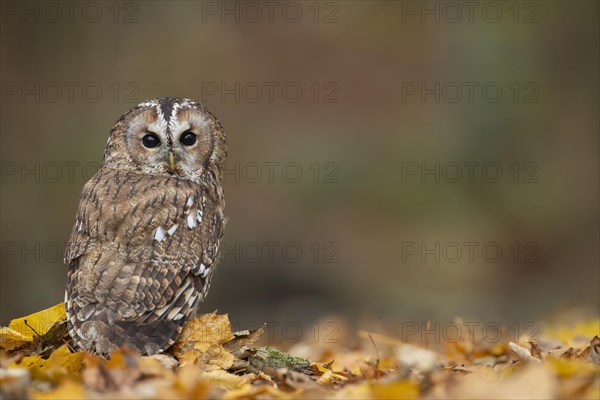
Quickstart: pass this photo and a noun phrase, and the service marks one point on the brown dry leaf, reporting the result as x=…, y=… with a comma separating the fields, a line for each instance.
x=535, y=350
x=592, y=352
x=292, y=380
x=242, y=340
x=18, y=332
x=61, y=364
x=522, y=353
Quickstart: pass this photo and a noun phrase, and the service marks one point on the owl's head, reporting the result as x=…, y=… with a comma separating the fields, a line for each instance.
x=168, y=135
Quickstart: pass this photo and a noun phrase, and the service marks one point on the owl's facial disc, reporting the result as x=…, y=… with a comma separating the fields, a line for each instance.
x=181, y=144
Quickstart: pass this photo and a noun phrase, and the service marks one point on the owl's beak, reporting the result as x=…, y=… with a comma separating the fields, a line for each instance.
x=172, y=160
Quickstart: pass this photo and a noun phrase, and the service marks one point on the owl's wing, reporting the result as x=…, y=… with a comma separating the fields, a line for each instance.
x=140, y=258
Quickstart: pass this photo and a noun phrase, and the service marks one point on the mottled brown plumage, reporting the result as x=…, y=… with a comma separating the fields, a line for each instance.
x=146, y=236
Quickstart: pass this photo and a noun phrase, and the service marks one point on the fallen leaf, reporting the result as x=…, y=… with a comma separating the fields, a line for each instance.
x=411, y=356
x=256, y=392
x=242, y=340
x=61, y=364
x=208, y=357
x=572, y=368
x=522, y=353
x=66, y=390
x=14, y=383
x=592, y=352
x=120, y=371
x=11, y=339
x=533, y=381
x=205, y=330
x=23, y=330
x=569, y=335
x=395, y=390
x=224, y=379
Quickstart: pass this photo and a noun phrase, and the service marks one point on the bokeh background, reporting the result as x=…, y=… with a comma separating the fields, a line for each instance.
x=345, y=94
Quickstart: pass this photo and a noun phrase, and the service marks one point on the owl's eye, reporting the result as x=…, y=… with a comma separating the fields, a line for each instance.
x=151, y=140
x=187, y=138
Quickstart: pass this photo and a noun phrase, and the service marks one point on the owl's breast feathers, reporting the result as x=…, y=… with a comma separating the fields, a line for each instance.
x=140, y=258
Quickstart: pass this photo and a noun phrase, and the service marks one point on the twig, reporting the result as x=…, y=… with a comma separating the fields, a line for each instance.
x=376, y=351
x=31, y=327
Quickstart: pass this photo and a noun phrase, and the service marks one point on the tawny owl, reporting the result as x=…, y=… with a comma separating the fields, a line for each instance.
x=146, y=236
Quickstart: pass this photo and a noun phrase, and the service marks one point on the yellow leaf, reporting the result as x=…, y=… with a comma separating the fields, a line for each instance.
x=326, y=374
x=567, y=334
x=249, y=391
x=200, y=343
x=19, y=333
x=153, y=366
x=67, y=390
x=202, y=332
x=396, y=390
x=358, y=391
x=568, y=368
x=331, y=377
x=212, y=358
x=10, y=339
x=189, y=380
x=61, y=364
x=224, y=379
x=321, y=369
x=122, y=357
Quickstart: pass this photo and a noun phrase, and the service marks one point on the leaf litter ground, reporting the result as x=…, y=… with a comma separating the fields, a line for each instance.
x=210, y=361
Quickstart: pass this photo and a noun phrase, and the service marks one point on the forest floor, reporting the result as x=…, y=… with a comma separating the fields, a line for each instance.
x=211, y=361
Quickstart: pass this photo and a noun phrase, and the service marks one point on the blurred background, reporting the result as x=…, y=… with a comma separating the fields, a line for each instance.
x=388, y=161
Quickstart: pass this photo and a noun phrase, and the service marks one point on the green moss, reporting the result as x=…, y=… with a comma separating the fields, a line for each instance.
x=270, y=357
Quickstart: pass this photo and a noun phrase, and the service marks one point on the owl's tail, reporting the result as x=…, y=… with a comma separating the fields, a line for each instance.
x=111, y=303
x=98, y=335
